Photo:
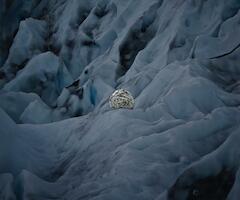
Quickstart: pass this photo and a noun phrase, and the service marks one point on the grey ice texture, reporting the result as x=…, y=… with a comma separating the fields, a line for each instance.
x=60, y=60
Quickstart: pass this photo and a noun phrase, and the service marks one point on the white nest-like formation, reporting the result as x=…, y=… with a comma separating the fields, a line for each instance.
x=121, y=99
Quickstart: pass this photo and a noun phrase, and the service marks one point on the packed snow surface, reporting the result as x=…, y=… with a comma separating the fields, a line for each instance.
x=60, y=60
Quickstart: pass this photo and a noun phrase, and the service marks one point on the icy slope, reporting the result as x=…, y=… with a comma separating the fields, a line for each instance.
x=62, y=59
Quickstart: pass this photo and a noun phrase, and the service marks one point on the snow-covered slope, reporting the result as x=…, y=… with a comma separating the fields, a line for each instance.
x=60, y=60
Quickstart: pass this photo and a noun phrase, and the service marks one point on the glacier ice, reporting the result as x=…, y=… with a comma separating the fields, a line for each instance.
x=61, y=60
x=29, y=41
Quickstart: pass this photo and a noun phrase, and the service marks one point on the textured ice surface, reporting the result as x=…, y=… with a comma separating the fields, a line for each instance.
x=60, y=60
x=29, y=41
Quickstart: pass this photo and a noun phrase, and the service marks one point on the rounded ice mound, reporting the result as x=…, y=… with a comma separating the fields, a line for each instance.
x=121, y=99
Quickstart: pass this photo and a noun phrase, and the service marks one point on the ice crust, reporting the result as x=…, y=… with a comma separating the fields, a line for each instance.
x=60, y=60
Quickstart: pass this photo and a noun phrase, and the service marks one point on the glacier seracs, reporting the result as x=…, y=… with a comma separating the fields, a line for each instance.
x=61, y=60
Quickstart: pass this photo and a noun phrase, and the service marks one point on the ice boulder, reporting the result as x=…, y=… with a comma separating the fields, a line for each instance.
x=121, y=99
x=44, y=75
x=28, y=42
